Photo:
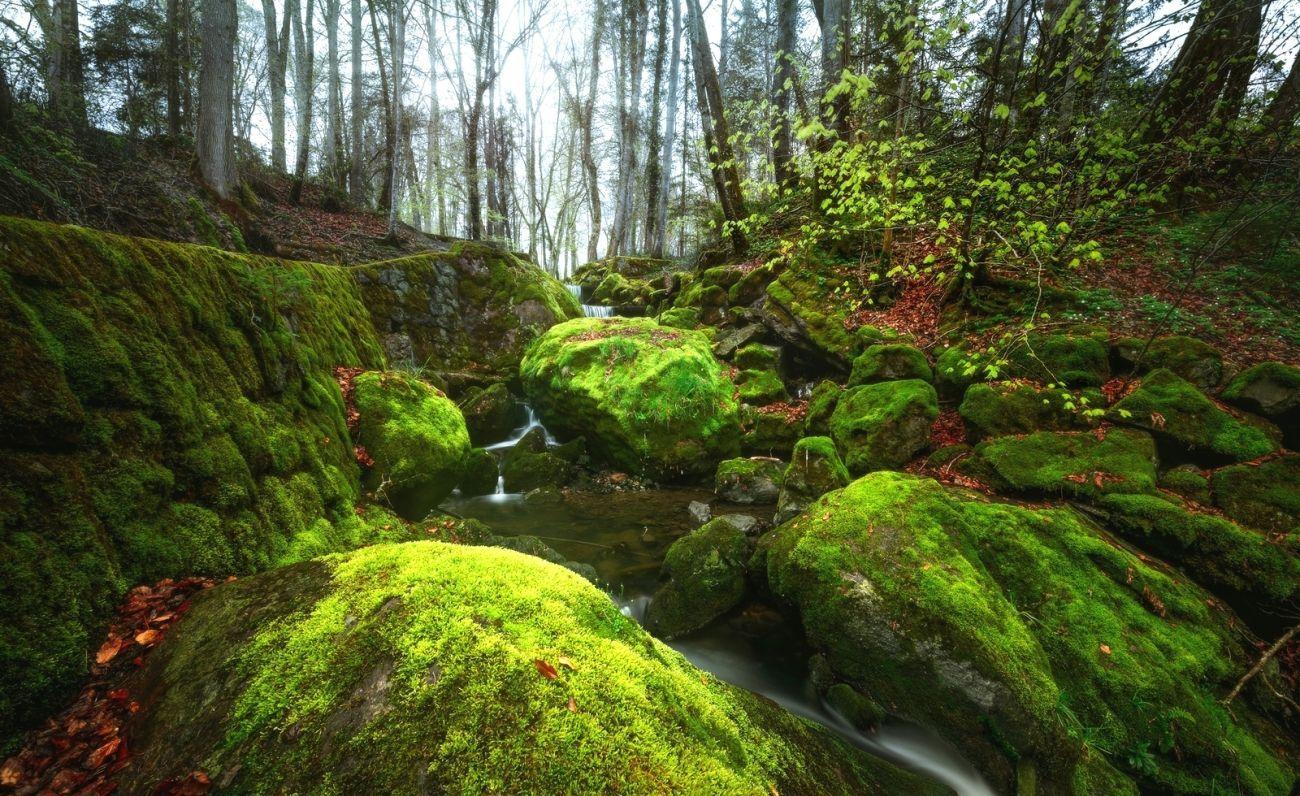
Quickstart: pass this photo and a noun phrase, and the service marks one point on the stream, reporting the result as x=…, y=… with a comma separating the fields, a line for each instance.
x=624, y=536
x=590, y=310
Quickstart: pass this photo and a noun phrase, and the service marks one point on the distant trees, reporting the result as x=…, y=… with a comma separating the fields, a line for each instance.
x=214, y=140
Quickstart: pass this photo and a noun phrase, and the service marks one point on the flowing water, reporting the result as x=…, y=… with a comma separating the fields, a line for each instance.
x=590, y=310
x=624, y=536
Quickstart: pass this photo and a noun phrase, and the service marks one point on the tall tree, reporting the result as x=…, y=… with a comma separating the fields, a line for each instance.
x=660, y=233
x=587, y=124
x=433, y=152
x=632, y=35
x=215, y=140
x=713, y=120
x=304, y=72
x=277, y=64
x=397, y=48
x=837, y=21
x=1284, y=109
x=65, y=68
x=787, y=19
x=335, y=157
x=653, y=164
x=357, y=187
x=172, y=66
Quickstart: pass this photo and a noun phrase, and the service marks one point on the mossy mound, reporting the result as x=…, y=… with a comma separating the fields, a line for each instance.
x=618, y=290
x=1173, y=409
x=810, y=317
x=1045, y=651
x=472, y=307
x=679, y=318
x=815, y=468
x=956, y=369
x=768, y=433
x=705, y=570
x=480, y=473
x=1266, y=496
x=748, y=480
x=649, y=398
x=429, y=667
x=760, y=387
x=1068, y=463
x=591, y=274
x=1271, y=389
x=1188, y=481
x=1192, y=359
x=491, y=413
x=165, y=410
x=416, y=437
x=1074, y=360
x=890, y=362
x=756, y=356
x=882, y=426
x=995, y=409
x=821, y=405
x=525, y=470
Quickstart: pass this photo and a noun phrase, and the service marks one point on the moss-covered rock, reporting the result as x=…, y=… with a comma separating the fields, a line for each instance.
x=1173, y=409
x=679, y=318
x=955, y=370
x=1075, y=360
x=473, y=306
x=164, y=410
x=416, y=437
x=705, y=572
x=1068, y=463
x=651, y=399
x=768, y=433
x=760, y=387
x=480, y=473
x=618, y=290
x=1028, y=638
x=821, y=405
x=1271, y=389
x=491, y=413
x=890, y=362
x=443, y=668
x=1192, y=359
x=994, y=409
x=880, y=426
x=805, y=313
x=756, y=356
x=525, y=470
x=1188, y=481
x=1266, y=496
x=748, y=480
x=815, y=468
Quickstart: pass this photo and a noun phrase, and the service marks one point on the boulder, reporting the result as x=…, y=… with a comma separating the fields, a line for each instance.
x=761, y=387
x=679, y=318
x=956, y=369
x=416, y=437
x=1192, y=359
x=756, y=480
x=815, y=469
x=1074, y=360
x=884, y=425
x=769, y=433
x=481, y=472
x=1188, y=481
x=491, y=413
x=1175, y=411
x=1080, y=464
x=1271, y=389
x=1266, y=496
x=1008, y=629
x=994, y=409
x=705, y=572
x=649, y=398
x=890, y=362
x=756, y=356
x=821, y=405
x=525, y=471
x=699, y=511
x=801, y=308
x=731, y=340
x=430, y=667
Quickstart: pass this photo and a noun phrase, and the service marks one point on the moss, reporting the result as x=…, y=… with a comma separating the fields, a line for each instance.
x=999, y=408
x=1188, y=481
x=768, y=433
x=491, y=413
x=525, y=471
x=163, y=408
x=956, y=369
x=415, y=667
x=799, y=298
x=748, y=480
x=1271, y=389
x=1026, y=637
x=1075, y=360
x=1192, y=359
x=618, y=290
x=890, y=362
x=705, y=571
x=1069, y=463
x=416, y=436
x=1265, y=496
x=821, y=405
x=815, y=468
x=756, y=356
x=1173, y=409
x=760, y=387
x=480, y=476
x=679, y=318
x=883, y=425
x=651, y=399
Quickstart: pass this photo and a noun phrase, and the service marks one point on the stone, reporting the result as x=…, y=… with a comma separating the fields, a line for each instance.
x=705, y=573
x=756, y=480
x=890, y=362
x=815, y=468
x=884, y=425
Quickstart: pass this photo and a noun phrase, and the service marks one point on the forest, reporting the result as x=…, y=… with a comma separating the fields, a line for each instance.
x=650, y=396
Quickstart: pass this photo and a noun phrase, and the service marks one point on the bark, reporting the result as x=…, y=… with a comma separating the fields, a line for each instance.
x=1241, y=62
x=304, y=36
x=334, y=100
x=397, y=48
x=433, y=141
x=1199, y=73
x=659, y=238
x=592, y=178
x=717, y=136
x=215, y=139
x=172, y=67
x=65, y=75
x=386, y=191
x=836, y=19
x=787, y=18
x=632, y=44
x=654, y=166
x=356, y=175
x=1285, y=107
x=484, y=74
x=277, y=64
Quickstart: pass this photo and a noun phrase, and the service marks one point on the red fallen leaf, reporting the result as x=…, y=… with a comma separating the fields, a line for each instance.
x=1105, y=648
x=66, y=780
x=11, y=772
x=545, y=669
x=573, y=705
x=118, y=694
x=1096, y=479
x=97, y=758
x=108, y=651
x=148, y=637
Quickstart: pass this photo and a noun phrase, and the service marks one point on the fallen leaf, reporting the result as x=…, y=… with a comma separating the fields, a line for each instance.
x=109, y=650
x=545, y=669
x=568, y=664
x=148, y=637
x=1105, y=648
x=573, y=705
x=97, y=757
x=11, y=772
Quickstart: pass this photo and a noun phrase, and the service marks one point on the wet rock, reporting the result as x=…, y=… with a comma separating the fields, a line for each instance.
x=769, y=433
x=491, y=413
x=1266, y=496
x=706, y=578
x=733, y=339
x=700, y=511
x=883, y=425
x=1271, y=389
x=890, y=362
x=756, y=480
x=1192, y=359
x=530, y=465
x=815, y=469
x=745, y=523
x=1081, y=464
x=481, y=471
x=995, y=409
x=761, y=387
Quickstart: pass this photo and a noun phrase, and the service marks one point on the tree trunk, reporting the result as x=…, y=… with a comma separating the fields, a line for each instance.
x=659, y=238
x=65, y=76
x=787, y=18
x=172, y=67
x=433, y=142
x=1191, y=91
x=397, y=23
x=334, y=100
x=1241, y=62
x=386, y=190
x=717, y=136
x=654, y=165
x=588, y=155
x=356, y=175
x=215, y=139
x=836, y=19
x=632, y=44
x=1285, y=108
x=304, y=37
x=277, y=64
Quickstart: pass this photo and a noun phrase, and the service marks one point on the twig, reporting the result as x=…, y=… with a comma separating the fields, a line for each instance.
x=1259, y=665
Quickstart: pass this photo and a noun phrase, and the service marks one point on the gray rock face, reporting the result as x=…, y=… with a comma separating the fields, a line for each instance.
x=700, y=511
x=747, y=481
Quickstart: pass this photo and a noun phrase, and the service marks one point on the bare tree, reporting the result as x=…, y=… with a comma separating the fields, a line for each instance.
x=397, y=48
x=787, y=18
x=660, y=233
x=357, y=187
x=334, y=153
x=215, y=140
x=713, y=120
x=631, y=44
x=304, y=52
x=654, y=166
x=277, y=64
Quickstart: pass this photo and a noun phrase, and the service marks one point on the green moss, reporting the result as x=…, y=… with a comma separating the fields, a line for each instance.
x=1028, y=638
x=883, y=425
x=821, y=405
x=1269, y=388
x=748, y=480
x=525, y=471
x=756, y=356
x=705, y=571
x=416, y=436
x=1192, y=359
x=404, y=668
x=1075, y=360
x=649, y=398
x=760, y=387
x=480, y=476
x=956, y=369
x=890, y=362
x=1265, y=496
x=491, y=413
x=1069, y=463
x=768, y=433
x=1172, y=408
x=1188, y=481
x=998, y=408
x=799, y=297
x=815, y=468
x=679, y=318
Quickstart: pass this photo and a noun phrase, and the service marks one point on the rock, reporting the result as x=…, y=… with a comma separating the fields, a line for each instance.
x=761, y=387
x=801, y=309
x=525, y=471
x=745, y=523
x=473, y=305
x=679, y=318
x=480, y=476
x=1174, y=410
x=756, y=356
x=491, y=413
x=1265, y=496
x=426, y=667
x=700, y=511
x=752, y=286
x=821, y=405
x=1067, y=463
x=618, y=290
x=416, y=437
x=648, y=398
x=884, y=425
x=1074, y=360
x=1253, y=573
x=733, y=339
x=890, y=362
x=1271, y=389
x=1192, y=359
x=769, y=433
x=994, y=409
x=815, y=469
x=989, y=622
x=956, y=369
x=705, y=571
x=748, y=480
x=1189, y=481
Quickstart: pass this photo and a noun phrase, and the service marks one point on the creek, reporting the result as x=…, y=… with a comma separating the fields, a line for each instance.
x=624, y=536
x=590, y=310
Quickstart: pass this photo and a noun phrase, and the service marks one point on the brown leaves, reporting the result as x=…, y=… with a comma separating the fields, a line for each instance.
x=1105, y=649
x=947, y=429
x=792, y=411
x=196, y=784
x=545, y=669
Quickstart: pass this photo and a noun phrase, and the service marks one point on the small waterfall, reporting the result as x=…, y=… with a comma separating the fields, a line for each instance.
x=597, y=311
x=518, y=434
x=575, y=291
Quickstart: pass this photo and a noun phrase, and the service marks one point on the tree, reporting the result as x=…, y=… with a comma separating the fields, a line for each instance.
x=277, y=64
x=787, y=16
x=304, y=61
x=172, y=66
x=65, y=69
x=397, y=23
x=357, y=187
x=717, y=136
x=1285, y=107
x=836, y=20
x=215, y=140
x=654, y=164
x=660, y=233
x=335, y=156
x=631, y=43
x=586, y=123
